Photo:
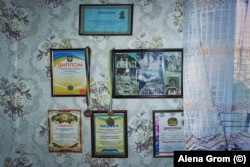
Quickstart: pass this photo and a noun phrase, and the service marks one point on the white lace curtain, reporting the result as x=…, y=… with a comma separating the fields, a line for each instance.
x=216, y=68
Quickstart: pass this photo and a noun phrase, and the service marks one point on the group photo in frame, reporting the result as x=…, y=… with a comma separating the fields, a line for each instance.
x=147, y=73
x=109, y=134
x=106, y=19
x=168, y=132
x=69, y=71
x=65, y=130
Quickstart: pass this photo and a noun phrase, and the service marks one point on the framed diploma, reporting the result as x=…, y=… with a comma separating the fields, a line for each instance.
x=168, y=132
x=111, y=19
x=147, y=73
x=68, y=69
x=65, y=130
x=109, y=134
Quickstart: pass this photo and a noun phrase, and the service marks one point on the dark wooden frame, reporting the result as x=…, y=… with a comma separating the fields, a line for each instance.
x=104, y=115
x=136, y=77
x=101, y=27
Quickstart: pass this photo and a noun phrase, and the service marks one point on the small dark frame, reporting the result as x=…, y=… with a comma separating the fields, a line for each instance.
x=105, y=137
x=168, y=132
x=147, y=73
x=106, y=19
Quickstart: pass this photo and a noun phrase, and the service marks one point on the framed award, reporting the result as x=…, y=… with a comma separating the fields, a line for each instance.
x=168, y=132
x=106, y=19
x=65, y=132
x=109, y=134
x=69, y=72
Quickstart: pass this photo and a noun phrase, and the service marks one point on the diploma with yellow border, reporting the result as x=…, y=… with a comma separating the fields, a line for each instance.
x=65, y=130
x=109, y=141
x=69, y=68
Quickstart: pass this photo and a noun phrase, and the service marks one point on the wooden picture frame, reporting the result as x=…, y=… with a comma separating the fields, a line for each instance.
x=147, y=73
x=106, y=19
x=65, y=130
x=168, y=132
x=109, y=140
x=69, y=72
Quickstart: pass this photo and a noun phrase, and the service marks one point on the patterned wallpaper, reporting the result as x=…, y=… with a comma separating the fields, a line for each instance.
x=29, y=29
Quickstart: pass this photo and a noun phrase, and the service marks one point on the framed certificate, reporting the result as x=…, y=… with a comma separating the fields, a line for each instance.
x=109, y=134
x=108, y=19
x=68, y=69
x=168, y=132
x=65, y=130
x=147, y=73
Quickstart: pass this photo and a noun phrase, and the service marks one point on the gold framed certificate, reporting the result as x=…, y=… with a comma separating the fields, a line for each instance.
x=69, y=72
x=168, y=132
x=65, y=130
x=109, y=134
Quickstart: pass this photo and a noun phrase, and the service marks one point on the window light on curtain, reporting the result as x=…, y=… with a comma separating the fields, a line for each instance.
x=216, y=69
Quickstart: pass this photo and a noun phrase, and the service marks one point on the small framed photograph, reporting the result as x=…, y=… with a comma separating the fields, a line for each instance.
x=109, y=134
x=65, y=130
x=147, y=73
x=168, y=132
x=69, y=72
x=106, y=19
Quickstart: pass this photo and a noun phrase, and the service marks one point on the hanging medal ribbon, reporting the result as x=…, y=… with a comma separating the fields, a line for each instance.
x=88, y=112
x=110, y=74
x=110, y=121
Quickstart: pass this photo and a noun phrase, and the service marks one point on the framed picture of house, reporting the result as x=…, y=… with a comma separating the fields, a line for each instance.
x=147, y=73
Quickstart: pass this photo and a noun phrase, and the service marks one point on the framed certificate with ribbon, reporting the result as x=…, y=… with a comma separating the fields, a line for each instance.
x=65, y=132
x=147, y=73
x=168, y=132
x=109, y=134
x=70, y=71
x=106, y=19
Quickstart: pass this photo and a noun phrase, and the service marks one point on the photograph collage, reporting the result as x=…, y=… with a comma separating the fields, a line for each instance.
x=147, y=73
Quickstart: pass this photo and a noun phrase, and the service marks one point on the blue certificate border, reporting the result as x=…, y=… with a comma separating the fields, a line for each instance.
x=111, y=19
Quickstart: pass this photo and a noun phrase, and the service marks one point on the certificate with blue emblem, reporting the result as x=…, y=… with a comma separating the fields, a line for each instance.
x=69, y=72
x=168, y=132
x=109, y=140
x=108, y=19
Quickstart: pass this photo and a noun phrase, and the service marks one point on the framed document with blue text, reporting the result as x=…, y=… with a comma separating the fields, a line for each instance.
x=168, y=132
x=69, y=72
x=109, y=134
x=107, y=19
x=65, y=132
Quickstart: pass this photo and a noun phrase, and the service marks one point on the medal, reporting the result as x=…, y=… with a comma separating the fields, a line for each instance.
x=88, y=113
x=110, y=121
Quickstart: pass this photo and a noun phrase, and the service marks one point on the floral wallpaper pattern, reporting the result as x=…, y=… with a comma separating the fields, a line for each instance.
x=29, y=29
